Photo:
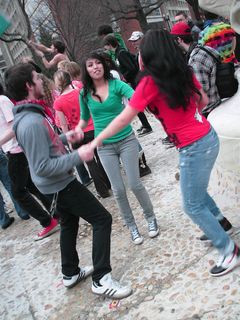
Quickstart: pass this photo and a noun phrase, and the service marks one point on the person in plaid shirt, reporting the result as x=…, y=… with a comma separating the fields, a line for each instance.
x=203, y=64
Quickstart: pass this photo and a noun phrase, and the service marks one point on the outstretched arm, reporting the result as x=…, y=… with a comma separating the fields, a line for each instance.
x=121, y=121
x=48, y=64
x=40, y=47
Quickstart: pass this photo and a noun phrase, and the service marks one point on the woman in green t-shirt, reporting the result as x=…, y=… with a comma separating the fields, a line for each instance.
x=101, y=98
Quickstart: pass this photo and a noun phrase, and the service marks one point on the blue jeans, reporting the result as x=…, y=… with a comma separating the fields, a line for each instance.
x=126, y=150
x=196, y=163
x=4, y=178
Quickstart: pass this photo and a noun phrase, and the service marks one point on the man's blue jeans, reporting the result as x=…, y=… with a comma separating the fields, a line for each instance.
x=196, y=163
x=4, y=178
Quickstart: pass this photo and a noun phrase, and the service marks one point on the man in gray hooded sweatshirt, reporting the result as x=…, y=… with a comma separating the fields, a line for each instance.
x=51, y=169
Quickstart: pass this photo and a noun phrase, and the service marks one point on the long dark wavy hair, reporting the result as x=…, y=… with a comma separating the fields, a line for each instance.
x=165, y=63
x=88, y=85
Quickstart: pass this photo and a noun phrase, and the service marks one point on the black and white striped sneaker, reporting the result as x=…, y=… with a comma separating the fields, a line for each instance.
x=70, y=282
x=110, y=288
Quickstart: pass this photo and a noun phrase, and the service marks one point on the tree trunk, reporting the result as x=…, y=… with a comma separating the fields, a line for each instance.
x=141, y=16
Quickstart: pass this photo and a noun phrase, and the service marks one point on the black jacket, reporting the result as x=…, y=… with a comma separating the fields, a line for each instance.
x=128, y=65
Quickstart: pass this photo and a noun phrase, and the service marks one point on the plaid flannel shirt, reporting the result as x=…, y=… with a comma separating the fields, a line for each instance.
x=204, y=67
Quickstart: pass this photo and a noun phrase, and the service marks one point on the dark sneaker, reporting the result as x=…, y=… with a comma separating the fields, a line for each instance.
x=6, y=225
x=108, y=287
x=139, y=130
x=153, y=229
x=26, y=217
x=144, y=132
x=144, y=170
x=136, y=237
x=70, y=282
x=226, y=263
x=103, y=195
x=88, y=183
x=226, y=225
x=177, y=176
x=47, y=231
x=166, y=141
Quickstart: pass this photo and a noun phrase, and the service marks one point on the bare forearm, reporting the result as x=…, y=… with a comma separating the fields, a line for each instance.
x=82, y=124
x=40, y=47
x=8, y=136
x=121, y=121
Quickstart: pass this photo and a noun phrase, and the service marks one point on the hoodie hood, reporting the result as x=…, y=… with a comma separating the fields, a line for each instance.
x=22, y=110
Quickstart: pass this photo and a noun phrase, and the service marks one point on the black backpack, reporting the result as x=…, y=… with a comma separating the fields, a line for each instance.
x=226, y=83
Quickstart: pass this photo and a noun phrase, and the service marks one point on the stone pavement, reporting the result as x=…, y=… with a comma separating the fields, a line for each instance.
x=169, y=274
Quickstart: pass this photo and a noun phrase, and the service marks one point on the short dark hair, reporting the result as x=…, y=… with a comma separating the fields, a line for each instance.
x=179, y=13
x=16, y=78
x=209, y=15
x=59, y=45
x=110, y=40
x=104, y=29
x=186, y=38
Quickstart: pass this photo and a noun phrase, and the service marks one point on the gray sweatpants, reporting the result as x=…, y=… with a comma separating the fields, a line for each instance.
x=127, y=150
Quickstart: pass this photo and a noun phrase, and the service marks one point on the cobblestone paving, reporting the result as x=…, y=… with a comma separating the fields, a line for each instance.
x=169, y=274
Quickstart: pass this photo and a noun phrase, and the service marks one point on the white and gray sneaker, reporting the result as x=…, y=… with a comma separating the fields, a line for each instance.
x=110, y=288
x=70, y=282
x=153, y=229
x=136, y=237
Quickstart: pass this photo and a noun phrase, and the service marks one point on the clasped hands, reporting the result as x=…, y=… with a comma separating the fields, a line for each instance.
x=86, y=151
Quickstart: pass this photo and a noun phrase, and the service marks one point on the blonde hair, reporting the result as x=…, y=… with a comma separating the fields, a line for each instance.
x=62, y=65
x=63, y=78
x=48, y=88
x=71, y=67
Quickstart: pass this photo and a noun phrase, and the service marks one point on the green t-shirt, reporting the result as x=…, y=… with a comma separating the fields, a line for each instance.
x=104, y=112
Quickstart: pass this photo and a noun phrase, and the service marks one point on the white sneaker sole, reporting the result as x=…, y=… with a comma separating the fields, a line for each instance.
x=113, y=296
x=138, y=241
x=231, y=268
x=153, y=234
x=79, y=279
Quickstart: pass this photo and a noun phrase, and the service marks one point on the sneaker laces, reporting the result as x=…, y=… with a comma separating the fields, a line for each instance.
x=152, y=226
x=43, y=229
x=135, y=233
x=82, y=273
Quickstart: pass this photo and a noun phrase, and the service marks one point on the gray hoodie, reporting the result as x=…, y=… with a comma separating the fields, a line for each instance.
x=51, y=168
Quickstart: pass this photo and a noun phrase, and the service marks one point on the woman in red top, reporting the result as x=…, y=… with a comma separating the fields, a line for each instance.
x=68, y=113
x=172, y=93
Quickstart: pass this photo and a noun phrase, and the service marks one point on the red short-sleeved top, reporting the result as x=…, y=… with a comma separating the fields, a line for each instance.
x=182, y=126
x=69, y=104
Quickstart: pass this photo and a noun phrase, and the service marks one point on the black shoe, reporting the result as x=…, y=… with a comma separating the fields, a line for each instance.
x=139, y=130
x=226, y=263
x=226, y=225
x=166, y=142
x=144, y=132
x=6, y=225
x=103, y=195
x=26, y=217
x=177, y=176
x=144, y=170
x=88, y=183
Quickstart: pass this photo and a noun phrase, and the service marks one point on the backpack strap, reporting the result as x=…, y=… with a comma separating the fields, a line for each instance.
x=210, y=53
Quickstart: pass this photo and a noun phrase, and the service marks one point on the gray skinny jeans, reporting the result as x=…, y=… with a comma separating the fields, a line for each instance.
x=127, y=150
